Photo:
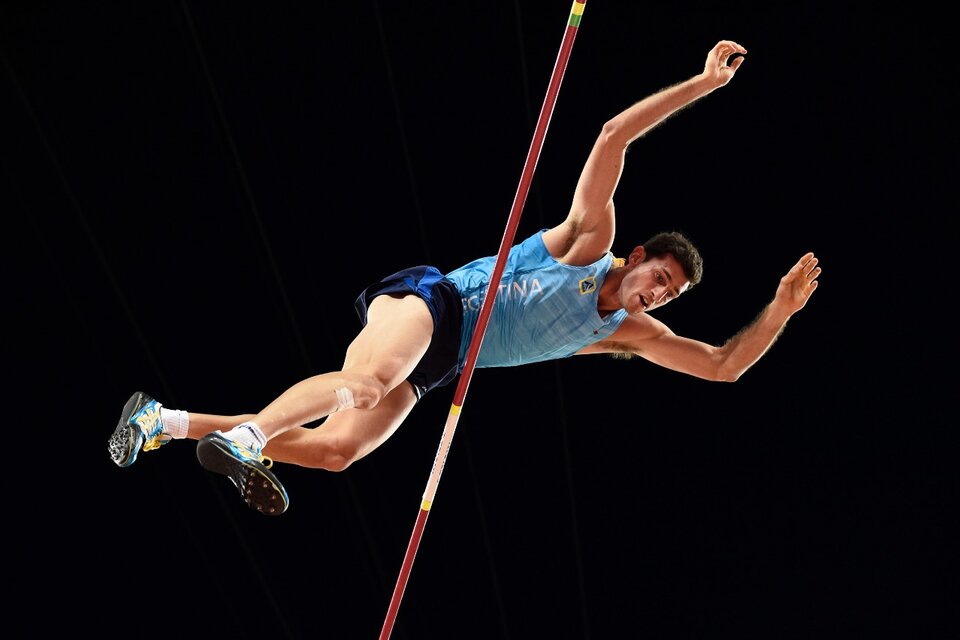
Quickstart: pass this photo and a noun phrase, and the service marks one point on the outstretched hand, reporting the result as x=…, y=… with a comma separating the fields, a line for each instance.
x=719, y=67
x=799, y=283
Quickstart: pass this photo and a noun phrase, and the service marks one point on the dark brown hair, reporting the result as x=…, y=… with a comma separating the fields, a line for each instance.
x=679, y=246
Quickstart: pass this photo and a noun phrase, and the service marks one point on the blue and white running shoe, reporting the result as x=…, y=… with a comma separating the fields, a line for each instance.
x=139, y=428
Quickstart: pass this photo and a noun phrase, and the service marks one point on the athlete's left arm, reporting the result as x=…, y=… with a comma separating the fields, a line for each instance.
x=652, y=340
x=588, y=230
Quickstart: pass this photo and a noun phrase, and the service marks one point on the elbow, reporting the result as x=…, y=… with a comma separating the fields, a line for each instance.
x=725, y=373
x=727, y=377
x=609, y=128
x=720, y=375
x=728, y=367
x=614, y=135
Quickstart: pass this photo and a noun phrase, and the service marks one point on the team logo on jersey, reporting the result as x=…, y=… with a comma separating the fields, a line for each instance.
x=588, y=285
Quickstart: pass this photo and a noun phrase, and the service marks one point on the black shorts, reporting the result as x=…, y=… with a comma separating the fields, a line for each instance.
x=438, y=366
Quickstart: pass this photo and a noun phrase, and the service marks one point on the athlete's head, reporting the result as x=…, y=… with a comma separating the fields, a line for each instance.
x=679, y=246
x=658, y=271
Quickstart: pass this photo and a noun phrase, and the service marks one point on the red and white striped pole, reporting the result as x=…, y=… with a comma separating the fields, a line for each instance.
x=506, y=243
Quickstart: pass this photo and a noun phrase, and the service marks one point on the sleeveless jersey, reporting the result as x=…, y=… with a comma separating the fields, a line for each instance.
x=544, y=310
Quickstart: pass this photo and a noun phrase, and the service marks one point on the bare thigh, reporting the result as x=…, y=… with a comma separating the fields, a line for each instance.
x=387, y=349
x=380, y=358
x=396, y=336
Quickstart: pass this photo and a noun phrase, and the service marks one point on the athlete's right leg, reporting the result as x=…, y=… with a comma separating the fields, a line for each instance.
x=382, y=355
x=395, y=337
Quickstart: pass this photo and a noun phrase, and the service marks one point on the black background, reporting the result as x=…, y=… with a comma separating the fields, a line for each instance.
x=194, y=193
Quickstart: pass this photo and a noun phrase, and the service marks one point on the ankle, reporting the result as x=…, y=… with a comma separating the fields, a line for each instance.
x=175, y=422
x=249, y=435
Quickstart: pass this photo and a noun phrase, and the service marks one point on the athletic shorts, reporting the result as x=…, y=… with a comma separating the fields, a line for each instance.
x=438, y=366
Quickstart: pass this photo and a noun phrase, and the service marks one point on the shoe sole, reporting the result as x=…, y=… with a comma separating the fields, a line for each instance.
x=125, y=442
x=258, y=487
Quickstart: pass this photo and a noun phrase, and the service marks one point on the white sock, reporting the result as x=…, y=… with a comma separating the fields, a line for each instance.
x=249, y=435
x=175, y=422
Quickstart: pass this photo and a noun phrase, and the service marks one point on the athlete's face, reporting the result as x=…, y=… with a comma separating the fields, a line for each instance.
x=651, y=284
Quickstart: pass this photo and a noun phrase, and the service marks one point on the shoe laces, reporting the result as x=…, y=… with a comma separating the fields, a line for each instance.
x=148, y=420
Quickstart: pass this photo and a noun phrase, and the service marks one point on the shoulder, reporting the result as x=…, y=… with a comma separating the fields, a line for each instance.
x=571, y=242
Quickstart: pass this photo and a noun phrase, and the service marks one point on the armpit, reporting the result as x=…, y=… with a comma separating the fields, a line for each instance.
x=615, y=348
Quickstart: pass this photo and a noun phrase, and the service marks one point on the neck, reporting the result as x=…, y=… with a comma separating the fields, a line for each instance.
x=607, y=299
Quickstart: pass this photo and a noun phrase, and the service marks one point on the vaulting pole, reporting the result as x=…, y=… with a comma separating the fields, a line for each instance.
x=453, y=417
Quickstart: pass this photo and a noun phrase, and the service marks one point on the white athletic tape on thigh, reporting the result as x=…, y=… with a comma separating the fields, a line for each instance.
x=344, y=399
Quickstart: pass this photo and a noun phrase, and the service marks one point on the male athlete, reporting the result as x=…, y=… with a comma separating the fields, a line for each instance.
x=418, y=323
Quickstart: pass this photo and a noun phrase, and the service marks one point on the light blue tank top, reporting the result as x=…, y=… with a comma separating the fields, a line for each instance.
x=544, y=310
